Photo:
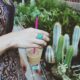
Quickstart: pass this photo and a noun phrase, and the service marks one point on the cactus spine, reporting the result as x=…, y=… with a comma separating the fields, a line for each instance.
x=66, y=42
x=60, y=50
x=49, y=55
x=75, y=39
x=56, y=35
x=69, y=55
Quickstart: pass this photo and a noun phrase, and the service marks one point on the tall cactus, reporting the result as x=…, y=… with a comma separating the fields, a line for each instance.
x=69, y=55
x=75, y=39
x=32, y=2
x=60, y=50
x=66, y=41
x=56, y=35
x=23, y=2
x=49, y=55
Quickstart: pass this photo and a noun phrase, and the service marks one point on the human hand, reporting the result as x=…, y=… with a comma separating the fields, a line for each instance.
x=27, y=38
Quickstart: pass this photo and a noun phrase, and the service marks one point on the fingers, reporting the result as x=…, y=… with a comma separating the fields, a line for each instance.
x=35, y=45
x=39, y=42
x=43, y=32
x=45, y=38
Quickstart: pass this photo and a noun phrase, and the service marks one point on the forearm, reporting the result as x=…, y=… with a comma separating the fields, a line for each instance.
x=6, y=41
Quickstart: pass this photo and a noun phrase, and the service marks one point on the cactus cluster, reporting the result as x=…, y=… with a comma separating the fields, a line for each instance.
x=62, y=50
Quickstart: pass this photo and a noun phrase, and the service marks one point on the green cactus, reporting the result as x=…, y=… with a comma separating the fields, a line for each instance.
x=60, y=50
x=32, y=2
x=49, y=55
x=69, y=56
x=56, y=35
x=75, y=39
x=66, y=42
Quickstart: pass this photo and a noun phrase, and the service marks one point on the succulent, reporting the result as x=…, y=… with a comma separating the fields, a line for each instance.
x=75, y=39
x=69, y=55
x=56, y=35
x=49, y=55
x=66, y=42
x=32, y=2
x=60, y=50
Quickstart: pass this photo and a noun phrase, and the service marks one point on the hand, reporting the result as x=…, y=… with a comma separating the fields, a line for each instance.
x=27, y=38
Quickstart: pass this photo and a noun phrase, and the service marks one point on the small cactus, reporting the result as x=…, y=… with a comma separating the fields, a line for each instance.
x=69, y=56
x=60, y=50
x=75, y=39
x=56, y=35
x=66, y=41
x=49, y=55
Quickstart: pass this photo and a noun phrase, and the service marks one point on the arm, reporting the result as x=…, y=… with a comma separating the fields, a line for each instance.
x=23, y=39
x=6, y=41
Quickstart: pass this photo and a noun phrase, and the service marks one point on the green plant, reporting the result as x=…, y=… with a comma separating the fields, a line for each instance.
x=66, y=42
x=64, y=51
x=49, y=55
x=75, y=39
x=56, y=35
x=60, y=50
x=69, y=55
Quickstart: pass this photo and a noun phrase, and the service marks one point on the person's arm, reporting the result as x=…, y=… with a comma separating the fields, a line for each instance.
x=6, y=41
x=23, y=39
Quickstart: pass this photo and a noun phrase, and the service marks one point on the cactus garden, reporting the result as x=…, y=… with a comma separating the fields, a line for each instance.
x=62, y=54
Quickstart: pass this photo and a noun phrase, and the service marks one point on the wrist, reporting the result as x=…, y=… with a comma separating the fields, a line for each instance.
x=13, y=40
x=10, y=40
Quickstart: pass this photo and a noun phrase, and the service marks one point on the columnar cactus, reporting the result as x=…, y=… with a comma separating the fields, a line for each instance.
x=56, y=35
x=49, y=55
x=66, y=41
x=23, y=2
x=60, y=50
x=75, y=39
x=69, y=55
x=32, y=2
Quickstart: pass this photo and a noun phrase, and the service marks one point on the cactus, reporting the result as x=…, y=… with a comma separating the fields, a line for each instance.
x=66, y=42
x=75, y=39
x=23, y=2
x=56, y=35
x=60, y=50
x=32, y=2
x=69, y=56
x=49, y=55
